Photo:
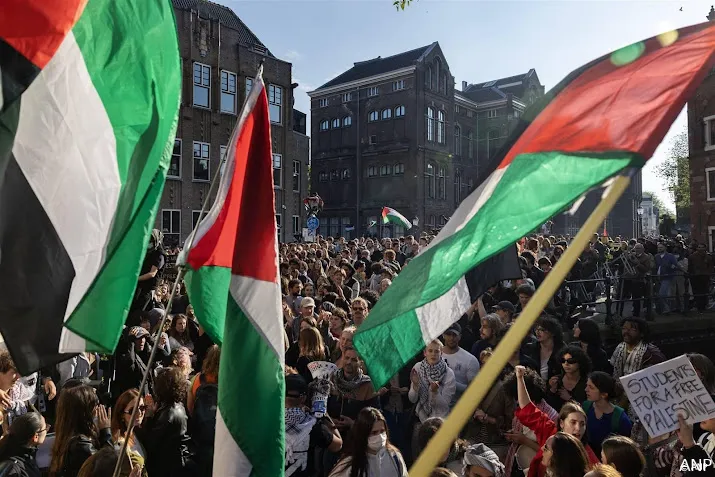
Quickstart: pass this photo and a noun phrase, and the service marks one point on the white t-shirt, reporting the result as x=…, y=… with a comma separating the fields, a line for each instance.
x=465, y=366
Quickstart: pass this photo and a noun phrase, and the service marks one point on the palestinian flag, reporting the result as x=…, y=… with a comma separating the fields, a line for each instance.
x=603, y=120
x=89, y=99
x=233, y=284
x=391, y=215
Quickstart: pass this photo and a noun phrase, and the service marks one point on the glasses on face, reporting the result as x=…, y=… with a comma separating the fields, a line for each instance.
x=128, y=412
x=540, y=330
x=569, y=360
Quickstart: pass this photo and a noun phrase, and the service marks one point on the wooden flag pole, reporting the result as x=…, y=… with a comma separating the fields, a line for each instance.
x=479, y=387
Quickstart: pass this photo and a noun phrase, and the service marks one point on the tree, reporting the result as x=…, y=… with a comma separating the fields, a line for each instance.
x=667, y=223
x=660, y=205
x=674, y=171
x=401, y=4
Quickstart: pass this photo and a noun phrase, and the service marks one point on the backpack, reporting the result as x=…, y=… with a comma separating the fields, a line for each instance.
x=615, y=416
x=7, y=466
x=204, y=416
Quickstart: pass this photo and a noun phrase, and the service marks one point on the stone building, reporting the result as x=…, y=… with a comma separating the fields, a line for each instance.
x=396, y=132
x=220, y=57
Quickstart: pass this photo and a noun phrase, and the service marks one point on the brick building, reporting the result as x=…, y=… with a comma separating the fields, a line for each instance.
x=220, y=56
x=701, y=145
x=395, y=132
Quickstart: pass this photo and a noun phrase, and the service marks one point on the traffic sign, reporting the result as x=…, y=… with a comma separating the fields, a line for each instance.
x=313, y=222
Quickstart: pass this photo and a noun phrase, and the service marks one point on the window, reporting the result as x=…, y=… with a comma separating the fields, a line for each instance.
x=399, y=168
x=709, y=137
x=710, y=183
x=711, y=237
x=457, y=188
x=386, y=113
x=296, y=176
x=430, y=124
x=175, y=164
x=492, y=137
x=429, y=179
x=373, y=139
x=171, y=225
x=398, y=85
x=457, y=141
x=346, y=174
x=432, y=221
x=347, y=97
x=346, y=222
x=492, y=113
x=324, y=125
x=443, y=83
x=386, y=170
x=489, y=84
x=196, y=215
x=441, y=184
x=202, y=161
x=249, y=85
x=470, y=185
x=202, y=85
x=372, y=171
x=470, y=145
x=335, y=175
x=428, y=78
x=277, y=166
x=228, y=92
x=373, y=91
x=334, y=226
x=323, y=102
x=279, y=223
x=336, y=123
x=470, y=113
x=223, y=159
x=440, y=127
x=456, y=108
x=323, y=176
x=275, y=103
x=437, y=74
x=372, y=116
x=347, y=121
x=296, y=225
x=399, y=111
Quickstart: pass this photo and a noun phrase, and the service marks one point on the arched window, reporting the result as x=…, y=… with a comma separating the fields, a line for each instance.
x=428, y=78
x=443, y=83
x=372, y=116
x=347, y=121
x=399, y=111
x=441, y=184
x=429, y=181
x=437, y=73
x=440, y=127
x=430, y=124
x=336, y=123
x=386, y=113
x=457, y=141
x=470, y=145
x=457, y=188
x=324, y=125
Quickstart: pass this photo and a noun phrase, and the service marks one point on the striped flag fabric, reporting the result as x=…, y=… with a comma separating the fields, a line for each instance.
x=391, y=215
x=604, y=119
x=89, y=99
x=232, y=281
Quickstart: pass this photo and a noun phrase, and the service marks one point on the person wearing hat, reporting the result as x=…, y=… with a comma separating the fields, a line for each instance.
x=304, y=433
x=131, y=363
x=462, y=362
x=480, y=461
x=505, y=309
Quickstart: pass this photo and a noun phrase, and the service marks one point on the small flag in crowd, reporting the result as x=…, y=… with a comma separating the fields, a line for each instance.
x=603, y=120
x=391, y=215
x=89, y=101
x=233, y=284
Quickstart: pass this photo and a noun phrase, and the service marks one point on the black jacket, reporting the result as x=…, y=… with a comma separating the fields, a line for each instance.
x=80, y=449
x=533, y=351
x=168, y=447
x=21, y=461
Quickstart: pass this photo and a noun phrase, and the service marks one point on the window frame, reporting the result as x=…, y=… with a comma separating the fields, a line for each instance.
x=222, y=159
x=373, y=91
x=322, y=102
x=194, y=221
x=200, y=158
x=249, y=85
x=335, y=123
x=323, y=176
x=430, y=124
x=346, y=175
x=372, y=171
x=386, y=170
x=429, y=179
x=373, y=116
x=707, y=129
x=709, y=188
x=272, y=102
x=297, y=174
x=324, y=122
x=457, y=140
x=347, y=97
x=387, y=111
x=228, y=91
x=279, y=168
x=399, y=109
x=492, y=113
x=347, y=121
x=171, y=219
x=297, y=229
x=399, y=168
x=441, y=139
x=398, y=85
x=470, y=145
x=181, y=153
x=441, y=183
x=200, y=84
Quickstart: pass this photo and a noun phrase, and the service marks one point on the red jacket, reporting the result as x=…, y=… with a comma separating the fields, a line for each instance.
x=535, y=419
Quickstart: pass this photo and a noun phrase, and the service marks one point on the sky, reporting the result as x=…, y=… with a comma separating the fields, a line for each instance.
x=482, y=40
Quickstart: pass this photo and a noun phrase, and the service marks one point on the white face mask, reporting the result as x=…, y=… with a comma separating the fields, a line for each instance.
x=375, y=443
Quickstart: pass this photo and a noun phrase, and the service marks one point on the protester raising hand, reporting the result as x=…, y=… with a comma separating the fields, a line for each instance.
x=104, y=417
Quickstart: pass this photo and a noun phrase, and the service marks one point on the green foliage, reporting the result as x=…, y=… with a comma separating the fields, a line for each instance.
x=667, y=224
x=674, y=171
x=401, y=4
x=660, y=205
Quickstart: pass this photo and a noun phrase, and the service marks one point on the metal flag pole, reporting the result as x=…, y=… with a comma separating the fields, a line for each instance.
x=472, y=397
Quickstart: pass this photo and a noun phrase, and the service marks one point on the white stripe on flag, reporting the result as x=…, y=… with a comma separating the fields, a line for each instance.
x=229, y=459
x=75, y=178
x=436, y=316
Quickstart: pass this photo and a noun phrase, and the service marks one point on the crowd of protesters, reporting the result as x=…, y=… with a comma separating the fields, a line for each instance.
x=556, y=409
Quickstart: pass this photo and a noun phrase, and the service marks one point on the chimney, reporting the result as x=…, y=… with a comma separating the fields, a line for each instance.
x=711, y=15
x=464, y=85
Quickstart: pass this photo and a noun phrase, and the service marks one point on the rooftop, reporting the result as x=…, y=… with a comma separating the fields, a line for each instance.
x=379, y=65
x=492, y=90
x=226, y=16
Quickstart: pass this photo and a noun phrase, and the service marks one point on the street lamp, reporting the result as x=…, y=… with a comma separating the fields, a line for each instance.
x=639, y=210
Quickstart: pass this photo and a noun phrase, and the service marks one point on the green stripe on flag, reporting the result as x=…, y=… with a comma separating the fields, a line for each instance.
x=131, y=51
x=533, y=188
x=251, y=403
x=208, y=288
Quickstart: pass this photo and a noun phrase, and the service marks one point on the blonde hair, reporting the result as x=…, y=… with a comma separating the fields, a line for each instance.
x=310, y=343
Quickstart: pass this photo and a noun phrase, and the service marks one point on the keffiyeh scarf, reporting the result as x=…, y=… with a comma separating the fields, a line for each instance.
x=625, y=363
x=347, y=388
x=484, y=457
x=429, y=373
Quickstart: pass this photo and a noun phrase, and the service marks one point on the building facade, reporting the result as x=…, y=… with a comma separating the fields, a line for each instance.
x=220, y=57
x=650, y=216
x=396, y=132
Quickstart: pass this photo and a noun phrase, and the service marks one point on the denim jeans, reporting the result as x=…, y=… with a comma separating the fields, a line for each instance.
x=663, y=294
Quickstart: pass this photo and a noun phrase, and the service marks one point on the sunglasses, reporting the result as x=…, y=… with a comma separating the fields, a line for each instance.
x=569, y=360
x=142, y=408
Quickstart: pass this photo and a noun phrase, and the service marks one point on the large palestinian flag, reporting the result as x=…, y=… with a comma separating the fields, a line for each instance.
x=232, y=281
x=89, y=96
x=603, y=120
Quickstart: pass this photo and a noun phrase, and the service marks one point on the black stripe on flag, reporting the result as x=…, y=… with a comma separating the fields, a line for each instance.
x=36, y=272
x=16, y=74
x=502, y=266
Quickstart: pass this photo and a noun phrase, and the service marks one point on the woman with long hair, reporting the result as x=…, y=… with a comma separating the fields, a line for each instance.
x=369, y=452
x=602, y=417
x=546, y=351
x=588, y=338
x=564, y=456
x=208, y=374
x=77, y=436
x=179, y=333
x=19, y=446
x=311, y=348
x=123, y=409
x=164, y=431
x=570, y=385
x=623, y=454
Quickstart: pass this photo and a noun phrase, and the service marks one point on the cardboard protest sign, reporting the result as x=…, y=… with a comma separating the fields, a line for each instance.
x=660, y=392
